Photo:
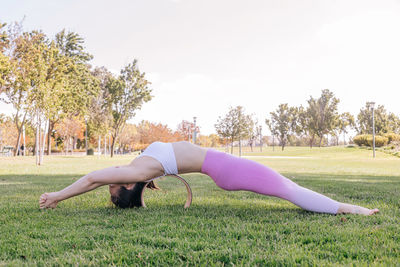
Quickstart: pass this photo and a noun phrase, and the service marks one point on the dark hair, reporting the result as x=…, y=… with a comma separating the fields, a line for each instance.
x=129, y=198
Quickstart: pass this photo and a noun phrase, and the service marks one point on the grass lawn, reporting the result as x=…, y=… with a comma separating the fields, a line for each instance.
x=220, y=228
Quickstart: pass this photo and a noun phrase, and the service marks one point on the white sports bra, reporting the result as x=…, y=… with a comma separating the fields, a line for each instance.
x=163, y=153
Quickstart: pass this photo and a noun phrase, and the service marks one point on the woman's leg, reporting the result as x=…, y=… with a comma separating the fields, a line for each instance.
x=233, y=173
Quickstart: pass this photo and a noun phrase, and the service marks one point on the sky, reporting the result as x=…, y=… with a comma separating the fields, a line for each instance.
x=203, y=57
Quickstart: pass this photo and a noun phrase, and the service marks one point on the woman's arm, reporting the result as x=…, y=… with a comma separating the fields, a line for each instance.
x=112, y=175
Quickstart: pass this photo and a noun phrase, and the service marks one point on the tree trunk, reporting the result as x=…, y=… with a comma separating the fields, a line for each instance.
x=16, y=152
x=43, y=144
x=37, y=138
x=50, y=130
x=240, y=147
x=344, y=138
x=19, y=128
x=112, y=145
x=273, y=143
x=105, y=145
x=99, y=146
x=320, y=141
x=23, y=137
x=312, y=141
x=109, y=143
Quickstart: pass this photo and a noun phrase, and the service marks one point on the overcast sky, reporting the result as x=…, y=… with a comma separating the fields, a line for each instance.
x=204, y=56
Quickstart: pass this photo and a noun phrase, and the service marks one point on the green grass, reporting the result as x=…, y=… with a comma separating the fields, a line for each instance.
x=220, y=228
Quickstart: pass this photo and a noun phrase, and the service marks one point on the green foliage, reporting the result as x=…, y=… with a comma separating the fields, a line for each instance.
x=379, y=141
x=367, y=140
x=4, y=69
x=71, y=45
x=126, y=94
x=236, y=125
x=321, y=115
x=384, y=122
x=392, y=137
x=100, y=117
x=360, y=140
x=282, y=123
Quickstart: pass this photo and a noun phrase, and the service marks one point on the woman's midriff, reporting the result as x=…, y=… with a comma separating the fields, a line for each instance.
x=189, y=157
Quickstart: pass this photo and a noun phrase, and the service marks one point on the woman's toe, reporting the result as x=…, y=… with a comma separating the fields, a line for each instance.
x=373, y=211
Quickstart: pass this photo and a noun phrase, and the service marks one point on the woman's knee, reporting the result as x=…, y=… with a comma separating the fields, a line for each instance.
x=286, y=188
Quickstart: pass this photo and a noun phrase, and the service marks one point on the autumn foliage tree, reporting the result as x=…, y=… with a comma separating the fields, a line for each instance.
x=70, y=129
x=8, y=131
x=150, y=132
x=186, y=129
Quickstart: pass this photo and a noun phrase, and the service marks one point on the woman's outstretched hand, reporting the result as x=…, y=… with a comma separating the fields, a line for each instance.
x=48, y=200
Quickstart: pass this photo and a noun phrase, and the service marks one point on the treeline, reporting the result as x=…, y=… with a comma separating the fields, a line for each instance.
x=309, y=125
x=133, y=137
x=61, y=101
x=54, y=90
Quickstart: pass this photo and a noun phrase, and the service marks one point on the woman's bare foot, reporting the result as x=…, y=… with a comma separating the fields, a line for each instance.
x=354, y=209
x=48, y=200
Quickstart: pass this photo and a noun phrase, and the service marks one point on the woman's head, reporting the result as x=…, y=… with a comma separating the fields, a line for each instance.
x=127, y=196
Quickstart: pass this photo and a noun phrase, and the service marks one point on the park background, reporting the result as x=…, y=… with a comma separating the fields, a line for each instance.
x=308, y=88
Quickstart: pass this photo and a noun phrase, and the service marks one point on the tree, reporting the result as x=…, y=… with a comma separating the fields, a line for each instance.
x=71, y=83
x=259, y=135
x=150, y=132
x=234, y=126
x=99, y=117
x=305, y=128
x=282, y=123
x=394, y=123
x=215, y=140
x=321, y=114
x=127, y=93
x=27, y=71
x=186, y=129
x=384, y=122
x=252, y=133
x=69, y=129
x=342, y=123
x=8, y=131
x=4, y=60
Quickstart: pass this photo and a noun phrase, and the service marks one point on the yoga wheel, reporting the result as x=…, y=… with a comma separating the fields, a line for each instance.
x=188, y=189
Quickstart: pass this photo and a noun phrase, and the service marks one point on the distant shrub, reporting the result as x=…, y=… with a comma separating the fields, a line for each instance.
x=379, y=141
x=392, y=137
x=360, y=140
x=367, y=140
x=90, y=152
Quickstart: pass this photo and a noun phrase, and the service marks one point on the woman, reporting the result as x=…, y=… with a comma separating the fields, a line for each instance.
x=227, y=171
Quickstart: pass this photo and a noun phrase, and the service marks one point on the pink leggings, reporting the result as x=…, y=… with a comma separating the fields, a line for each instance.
x=233, y=173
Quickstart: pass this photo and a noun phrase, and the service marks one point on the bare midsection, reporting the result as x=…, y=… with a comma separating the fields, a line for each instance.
x=189, y=157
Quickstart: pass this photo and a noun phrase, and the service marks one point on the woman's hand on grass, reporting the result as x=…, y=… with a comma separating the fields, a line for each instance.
x=48, y=200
